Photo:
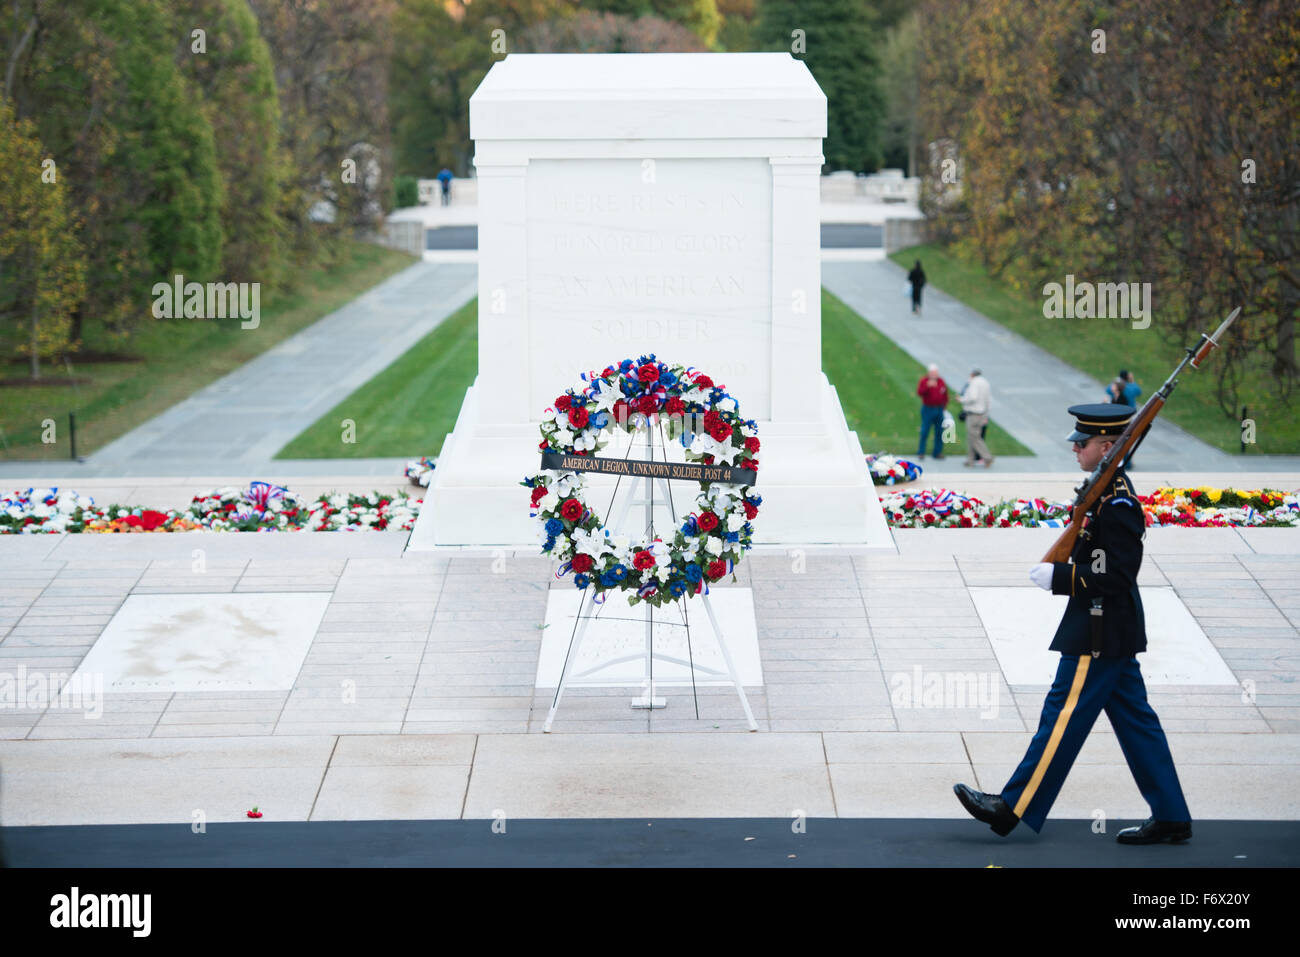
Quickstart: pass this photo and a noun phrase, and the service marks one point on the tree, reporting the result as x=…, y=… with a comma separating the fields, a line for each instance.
x=441, y=53
x=590, y=32
x=700, y=17
x=130, y=139
x=230, y=65
x=835, y=39
x=331, y=62
x=42, y=273
x=901, y=92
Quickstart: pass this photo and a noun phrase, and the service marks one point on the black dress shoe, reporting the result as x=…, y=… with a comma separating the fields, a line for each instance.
x=1152, y=831
x=989, y=808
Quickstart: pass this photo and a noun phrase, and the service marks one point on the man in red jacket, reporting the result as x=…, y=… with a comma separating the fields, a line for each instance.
x=934, y=399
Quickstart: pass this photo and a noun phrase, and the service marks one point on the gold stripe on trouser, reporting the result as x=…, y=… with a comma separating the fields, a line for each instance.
x=1058, y=732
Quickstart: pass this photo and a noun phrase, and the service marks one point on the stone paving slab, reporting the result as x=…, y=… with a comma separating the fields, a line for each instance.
x=416, y=696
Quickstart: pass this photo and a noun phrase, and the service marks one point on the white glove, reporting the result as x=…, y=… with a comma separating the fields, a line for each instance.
x=1041, y=575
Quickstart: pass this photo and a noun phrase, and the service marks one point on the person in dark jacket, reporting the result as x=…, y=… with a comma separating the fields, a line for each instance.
x=917, y=278
x=1100, y=635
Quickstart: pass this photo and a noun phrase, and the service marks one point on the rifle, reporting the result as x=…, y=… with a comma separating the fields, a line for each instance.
x=1087, y=493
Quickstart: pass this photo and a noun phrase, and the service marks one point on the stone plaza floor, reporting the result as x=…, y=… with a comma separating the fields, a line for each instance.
x=407, y=685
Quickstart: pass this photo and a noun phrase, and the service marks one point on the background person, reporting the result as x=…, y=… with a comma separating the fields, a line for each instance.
x=934, y=399
x=917, y=278
x=976, y=400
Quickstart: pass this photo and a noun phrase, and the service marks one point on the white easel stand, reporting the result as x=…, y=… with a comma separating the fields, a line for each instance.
x=648, y=699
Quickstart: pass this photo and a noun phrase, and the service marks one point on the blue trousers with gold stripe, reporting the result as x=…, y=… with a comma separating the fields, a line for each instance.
x=1084, y=687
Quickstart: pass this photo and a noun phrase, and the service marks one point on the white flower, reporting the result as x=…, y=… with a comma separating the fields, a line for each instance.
x=549, y=502
x=661, y=572
x=713, y=545
x=735, y=521
x=727, y=405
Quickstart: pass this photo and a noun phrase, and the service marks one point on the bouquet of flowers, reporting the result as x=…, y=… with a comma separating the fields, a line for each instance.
x=887, y=469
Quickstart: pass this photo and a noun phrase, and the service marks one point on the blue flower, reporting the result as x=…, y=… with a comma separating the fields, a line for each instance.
x=731, y=536
x=691, y=528
x=581, y=581
x=755, y=500
x=677, y=589
x=600, y=420
x=608, y=580
x=693, y=572
x=550, y=543
x=625, y=365
x=667, y=379
x=619, y=572
x=554, y=526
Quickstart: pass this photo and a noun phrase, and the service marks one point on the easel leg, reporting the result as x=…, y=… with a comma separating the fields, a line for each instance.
x=731, y=668
x=588, y=602
x=648, y=700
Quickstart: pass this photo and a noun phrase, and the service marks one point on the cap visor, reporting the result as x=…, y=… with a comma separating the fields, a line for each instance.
x=1077, y=436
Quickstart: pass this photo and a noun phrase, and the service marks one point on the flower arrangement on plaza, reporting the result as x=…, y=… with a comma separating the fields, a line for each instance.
x=1188, y=508
x=1220, y=507
x=887, y=469
x=420, y=471
x=261, y=507
x=634, y=395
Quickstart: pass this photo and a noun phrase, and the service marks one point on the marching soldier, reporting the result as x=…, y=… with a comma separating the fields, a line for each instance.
x=1099, y=637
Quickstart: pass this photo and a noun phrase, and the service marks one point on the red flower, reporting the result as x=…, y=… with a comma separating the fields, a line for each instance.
x=621, y=412
x=711, y=420
x=708, y=460
x=582, y=563
x=965, y=522
x=703, y=382
x=648, y=372
x=643, y=560
x=578, y=416
x=909, y=503
x=708, y=522
x=539, y=492
x=542, y=445
x=647, y=404
x=929, y=519
x=717, y=569
x=151, y=519
x=1004, y=523
x=720, y=432
x=675, y=406
x=571, y=509
x=752, y=445
x=750, y=510
x=562, y=403
x=749, y=464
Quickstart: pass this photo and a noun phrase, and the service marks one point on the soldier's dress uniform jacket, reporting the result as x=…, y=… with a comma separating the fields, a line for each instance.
x=1104, y=564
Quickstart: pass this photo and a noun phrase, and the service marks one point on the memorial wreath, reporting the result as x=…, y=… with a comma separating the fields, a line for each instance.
x=691, y=409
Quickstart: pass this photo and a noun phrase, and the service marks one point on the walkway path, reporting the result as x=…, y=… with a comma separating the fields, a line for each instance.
x=1031, y=387
x=238, y=423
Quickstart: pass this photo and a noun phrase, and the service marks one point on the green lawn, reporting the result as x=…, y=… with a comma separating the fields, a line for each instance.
x=408, y=409
x=876, y=382
x=177, y=357
x=1101, y=347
